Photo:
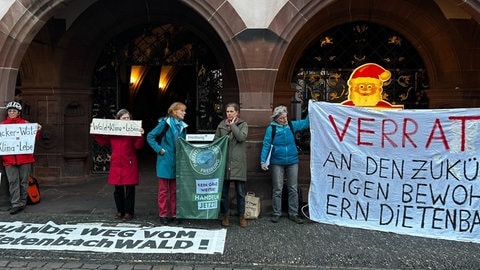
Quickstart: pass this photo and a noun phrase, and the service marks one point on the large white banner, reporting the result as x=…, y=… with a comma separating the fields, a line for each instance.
x=116, y=127
x=412, y=172
x=17, y=138
x=105, y=238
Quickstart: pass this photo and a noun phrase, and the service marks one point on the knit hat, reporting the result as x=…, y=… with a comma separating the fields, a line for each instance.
x=279, y=111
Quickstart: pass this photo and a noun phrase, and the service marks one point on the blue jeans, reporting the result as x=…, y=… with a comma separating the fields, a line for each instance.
x=240, y=195
x=278, y=176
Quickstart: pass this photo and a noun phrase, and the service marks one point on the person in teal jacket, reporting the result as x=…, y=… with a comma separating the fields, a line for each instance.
x=280, y=153
x=163, y=139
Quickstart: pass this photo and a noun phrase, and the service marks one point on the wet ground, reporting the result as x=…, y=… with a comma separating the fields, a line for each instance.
x=262, y=245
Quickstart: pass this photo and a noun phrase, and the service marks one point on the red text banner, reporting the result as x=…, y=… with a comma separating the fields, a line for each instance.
x=412, y=172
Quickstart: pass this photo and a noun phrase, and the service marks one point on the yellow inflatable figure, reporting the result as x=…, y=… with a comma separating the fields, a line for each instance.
x=365, y=87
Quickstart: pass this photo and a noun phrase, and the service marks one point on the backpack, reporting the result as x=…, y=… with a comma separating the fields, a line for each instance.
x=162, y=134
x=274, y=131
x=33, y=191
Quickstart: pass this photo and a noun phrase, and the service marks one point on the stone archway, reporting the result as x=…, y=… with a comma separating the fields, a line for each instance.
x=20, y=22
x=426, y=32
x=57, y=70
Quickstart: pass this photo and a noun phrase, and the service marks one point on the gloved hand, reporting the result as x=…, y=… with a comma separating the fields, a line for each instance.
x=264, y=166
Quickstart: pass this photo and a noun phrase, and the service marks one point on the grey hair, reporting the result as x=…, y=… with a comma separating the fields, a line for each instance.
x=279, y=111
x=234, y=105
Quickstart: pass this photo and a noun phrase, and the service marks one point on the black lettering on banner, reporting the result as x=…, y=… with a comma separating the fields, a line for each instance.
x=367, y=189
x=183, y=244
x=128, y=244
x=402, y=194
x=400, y=215
x=385, y=168
x=341, y=163
x=151, y=244
x=353, y=211
x=83, y=237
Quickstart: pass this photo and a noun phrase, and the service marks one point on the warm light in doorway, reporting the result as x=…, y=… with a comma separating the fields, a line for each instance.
x=136, y=73
x=166, y=75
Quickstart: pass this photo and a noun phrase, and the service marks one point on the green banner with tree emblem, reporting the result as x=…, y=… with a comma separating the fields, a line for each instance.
x=200, y=173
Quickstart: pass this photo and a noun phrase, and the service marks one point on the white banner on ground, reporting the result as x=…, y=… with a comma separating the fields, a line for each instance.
x=107, y=238
x=116, y=127
x=17, y=138
x=412, y=172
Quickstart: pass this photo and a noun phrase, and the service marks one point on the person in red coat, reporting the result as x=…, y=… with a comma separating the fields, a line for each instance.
x=18, y=167
x=123, y=167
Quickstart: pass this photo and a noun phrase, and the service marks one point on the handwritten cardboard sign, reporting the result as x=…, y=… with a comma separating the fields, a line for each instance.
x=17, y=138
x=116, y=127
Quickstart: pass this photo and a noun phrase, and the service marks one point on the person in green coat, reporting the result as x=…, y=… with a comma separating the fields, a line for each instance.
x=236, y=168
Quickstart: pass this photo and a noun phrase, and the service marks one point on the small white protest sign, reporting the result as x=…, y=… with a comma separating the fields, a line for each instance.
x=116, y=127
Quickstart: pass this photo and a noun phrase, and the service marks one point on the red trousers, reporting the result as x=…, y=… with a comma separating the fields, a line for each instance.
x=167, y=197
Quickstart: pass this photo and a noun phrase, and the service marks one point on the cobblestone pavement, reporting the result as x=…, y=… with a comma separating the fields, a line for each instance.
x=262, y=245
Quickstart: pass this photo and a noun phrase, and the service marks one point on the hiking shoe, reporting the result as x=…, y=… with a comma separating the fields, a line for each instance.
x=14, y=210
x=242, y=221
x=275, y=219
x=127, y=217
x=225, y=221
x=296, y=219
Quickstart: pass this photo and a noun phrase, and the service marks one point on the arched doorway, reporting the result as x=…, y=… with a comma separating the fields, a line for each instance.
x=69, y=76
x=328, y=62
x=147, y=68
x=324, y=68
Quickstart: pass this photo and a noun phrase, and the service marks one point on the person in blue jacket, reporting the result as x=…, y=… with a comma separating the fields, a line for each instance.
x=279, y=151
x=163, y=139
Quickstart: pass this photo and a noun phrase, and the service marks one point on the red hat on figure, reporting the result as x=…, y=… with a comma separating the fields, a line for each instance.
x=369, y=72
